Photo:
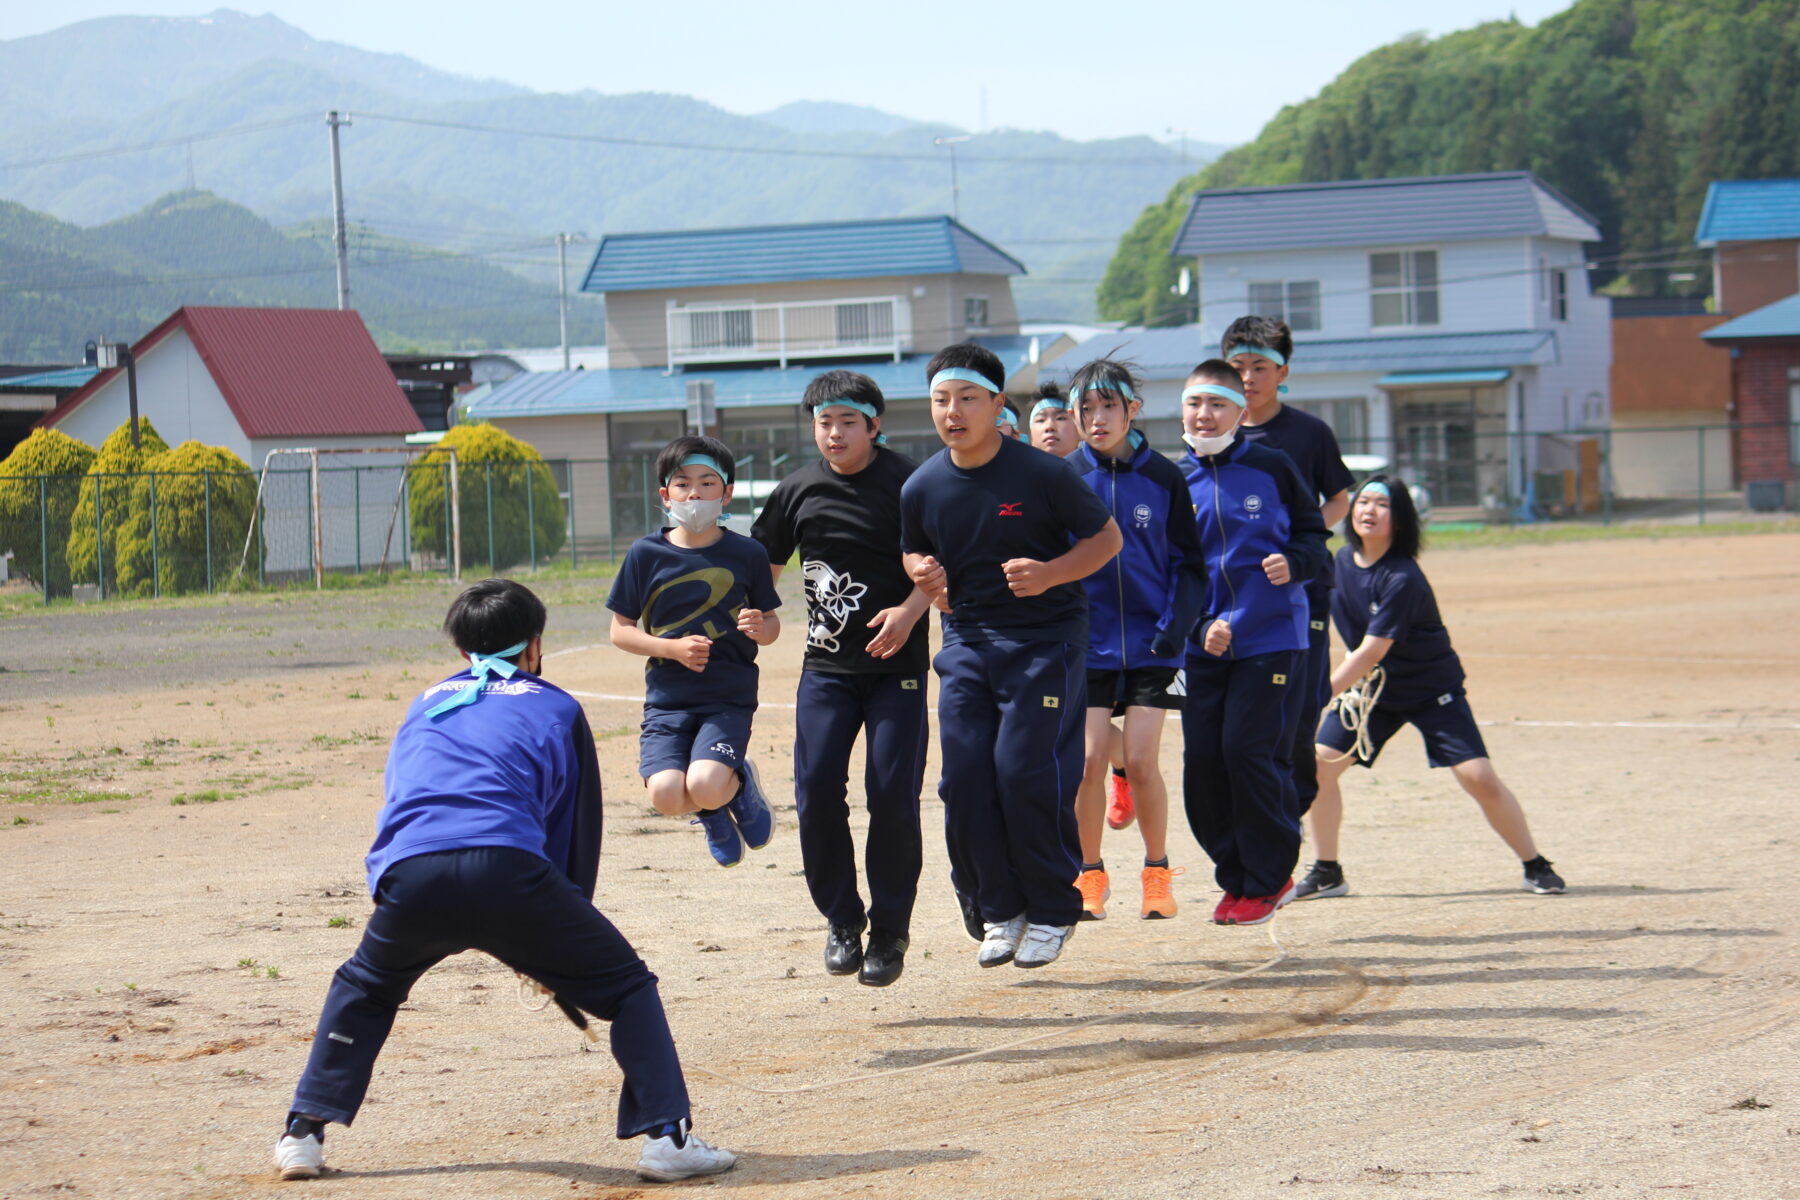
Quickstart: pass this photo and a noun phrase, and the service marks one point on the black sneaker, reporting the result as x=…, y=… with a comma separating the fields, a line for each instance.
x=1541, y=879
x=843, y=950
x=885, y=958
x=1322, y=882
x=973, y=925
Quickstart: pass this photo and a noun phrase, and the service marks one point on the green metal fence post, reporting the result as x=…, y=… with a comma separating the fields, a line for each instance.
x=99, y=540
x=569, y=472
x=449, y=544
x=206, y=482
x=488, y=482
x=312, y=557
x=1702, y=445
x=155, y=564
x=1606, y=477
x=44, y=535
x=262, y=543
x=356, y=480
x=530, y=515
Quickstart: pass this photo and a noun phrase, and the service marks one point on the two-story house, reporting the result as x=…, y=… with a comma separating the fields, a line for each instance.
x=1439, y=322
x=756, y=313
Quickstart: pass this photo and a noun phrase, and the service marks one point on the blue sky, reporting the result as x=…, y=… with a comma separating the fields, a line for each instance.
x=1082, y=68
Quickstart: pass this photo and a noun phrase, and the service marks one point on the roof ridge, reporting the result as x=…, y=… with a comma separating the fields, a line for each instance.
x=944, y=218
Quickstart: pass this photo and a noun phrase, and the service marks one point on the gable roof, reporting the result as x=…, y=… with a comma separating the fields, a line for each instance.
x=285, y=372
x=1745, y=210
x=1380, y=212
x=1165, y=354
x=1778, y=320
x=632, y=262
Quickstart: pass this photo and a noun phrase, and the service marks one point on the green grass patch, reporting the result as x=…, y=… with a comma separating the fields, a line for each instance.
x=1461, y=536
x=209, y=796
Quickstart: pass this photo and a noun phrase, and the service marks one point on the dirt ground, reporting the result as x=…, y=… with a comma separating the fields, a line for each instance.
x=192, y=787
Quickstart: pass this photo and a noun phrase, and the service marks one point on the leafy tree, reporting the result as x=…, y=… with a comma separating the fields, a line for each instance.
x=39, y=483
x=504, y=485
x=196, y=501
x=94, y=534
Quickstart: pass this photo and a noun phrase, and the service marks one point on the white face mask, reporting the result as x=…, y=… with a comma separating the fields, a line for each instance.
x=1206, y=447
x=696, y=515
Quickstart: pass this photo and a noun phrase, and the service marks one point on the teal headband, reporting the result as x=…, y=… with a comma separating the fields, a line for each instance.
x=1213, y=389
x=1049, y=404
x=1006, y=415
x=479, y=666
x=1378, y=488
x=1123, y=389
x=1273, y=356
x=967, y=376
x=698, y=460
x=867, y=410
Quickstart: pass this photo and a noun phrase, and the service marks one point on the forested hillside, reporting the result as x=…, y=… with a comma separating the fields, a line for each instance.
x=1629, y=107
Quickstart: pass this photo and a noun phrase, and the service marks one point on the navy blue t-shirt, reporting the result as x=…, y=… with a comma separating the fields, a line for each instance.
x=672, y=591
x=1309, y=441
x=1393, y=599
x=1022, y=503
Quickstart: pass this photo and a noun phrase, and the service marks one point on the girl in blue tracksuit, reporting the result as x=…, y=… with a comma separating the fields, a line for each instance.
x=1263, y=537
x=1141, y=608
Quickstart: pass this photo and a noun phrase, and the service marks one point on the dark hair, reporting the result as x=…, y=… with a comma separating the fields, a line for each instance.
x=1118, y=376
x=492, y=615
x=669, y=461
x=1258, y=331
x=1049, y=389
x=1218, y=371
x=842, y=385
x=1409, y=536
x=971, y=355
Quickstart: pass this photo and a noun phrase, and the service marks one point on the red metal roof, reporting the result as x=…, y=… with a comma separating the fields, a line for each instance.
x=285, y=372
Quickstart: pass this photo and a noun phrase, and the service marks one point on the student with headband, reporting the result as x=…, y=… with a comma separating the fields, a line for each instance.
x=1262, y=350
x=1003, y=534
x=1052, y=429
x=1260, y=528
x=489, y=839
x=1388, y=619
x=697, y=600
x=1141, y=608
x=864, y=672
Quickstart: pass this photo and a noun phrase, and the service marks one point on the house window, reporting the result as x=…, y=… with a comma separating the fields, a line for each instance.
x=1403, y=288
x=722, y=329
x=1559, y=295
x=975, y=313
x=1296, y=302
x=1348, y=418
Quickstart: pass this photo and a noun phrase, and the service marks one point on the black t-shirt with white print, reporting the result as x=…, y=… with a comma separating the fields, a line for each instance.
x=847, y=530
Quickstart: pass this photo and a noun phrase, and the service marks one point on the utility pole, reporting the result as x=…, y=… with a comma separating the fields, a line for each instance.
x=562, y=291
x=340, y=238
x=955, y=189
x=1184, y=138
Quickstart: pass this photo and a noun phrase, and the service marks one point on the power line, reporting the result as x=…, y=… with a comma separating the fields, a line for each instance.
x=82, y=155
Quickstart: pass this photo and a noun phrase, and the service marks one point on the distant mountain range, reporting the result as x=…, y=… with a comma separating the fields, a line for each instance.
x=234, y=105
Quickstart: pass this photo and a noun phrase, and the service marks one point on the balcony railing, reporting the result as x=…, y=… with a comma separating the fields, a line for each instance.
x=778, y=332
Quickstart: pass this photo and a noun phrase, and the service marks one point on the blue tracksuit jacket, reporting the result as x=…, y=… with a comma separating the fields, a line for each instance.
x=1158, y=579
x=1249, y=503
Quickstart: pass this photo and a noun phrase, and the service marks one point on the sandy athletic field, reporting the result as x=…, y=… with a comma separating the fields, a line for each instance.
x=192, y=787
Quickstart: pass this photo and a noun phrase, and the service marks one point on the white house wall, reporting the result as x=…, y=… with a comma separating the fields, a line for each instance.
x=176, y=393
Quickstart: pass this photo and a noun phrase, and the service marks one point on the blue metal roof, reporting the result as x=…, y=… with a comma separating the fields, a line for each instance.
x=1380, y=212
x=65, y=377
x=632, y=262
x=1432, y=378
x=1748, y=210
x=1164, y=354
x=1778, y=320
x=652, y=389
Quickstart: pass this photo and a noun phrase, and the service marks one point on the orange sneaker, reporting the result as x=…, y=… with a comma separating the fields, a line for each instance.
x=1095, y=888
x=1159, y=901
x=1121, y=812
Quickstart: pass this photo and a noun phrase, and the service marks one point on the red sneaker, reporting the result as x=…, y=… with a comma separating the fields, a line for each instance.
x=1222, y=914
x=1121, y=812
x=1256, y=910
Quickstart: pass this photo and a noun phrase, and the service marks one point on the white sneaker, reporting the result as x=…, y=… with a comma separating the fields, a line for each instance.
x=1042, y=945
x=664, y=1162
x=300, y=1158
x=1001, y=942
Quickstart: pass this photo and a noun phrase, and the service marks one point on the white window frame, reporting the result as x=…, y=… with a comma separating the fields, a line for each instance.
x=1559, y=294
x=987, y=312
x=1409, y=288
x=1285, y=312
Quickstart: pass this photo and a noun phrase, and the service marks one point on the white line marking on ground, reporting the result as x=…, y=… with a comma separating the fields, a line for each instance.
x=1718, y=725
x=1643, y=658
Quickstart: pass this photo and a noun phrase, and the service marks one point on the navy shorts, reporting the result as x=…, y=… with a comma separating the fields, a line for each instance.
x=672, y=738
x=1136, y=687
x=1446, y=723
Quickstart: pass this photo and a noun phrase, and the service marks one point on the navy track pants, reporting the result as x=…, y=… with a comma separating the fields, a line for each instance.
x=1305, y=701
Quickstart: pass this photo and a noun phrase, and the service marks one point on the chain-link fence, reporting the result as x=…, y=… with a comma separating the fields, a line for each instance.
x=168, y=533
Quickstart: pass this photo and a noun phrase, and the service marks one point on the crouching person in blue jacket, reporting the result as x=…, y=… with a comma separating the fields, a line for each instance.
x=1141, y=608
x=1263, y=537
x=489, y=840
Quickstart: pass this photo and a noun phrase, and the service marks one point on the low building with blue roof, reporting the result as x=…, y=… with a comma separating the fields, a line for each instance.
x=1752, y=226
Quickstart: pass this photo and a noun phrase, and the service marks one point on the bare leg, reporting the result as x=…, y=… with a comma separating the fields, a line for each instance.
x=711, y=784
x=1498, y=805
x=669, y=793
x=1327, y=812
x=1143, y=742
x=1090, y=797
x=1115, y=746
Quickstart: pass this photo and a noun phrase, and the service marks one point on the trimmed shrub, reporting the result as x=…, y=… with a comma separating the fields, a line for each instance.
x=195, y=491
x=94, y=537
x=490, y=462
x=34, y=518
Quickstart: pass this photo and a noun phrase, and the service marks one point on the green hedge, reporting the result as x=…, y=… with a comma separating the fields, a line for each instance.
x=489, y=462
x=40, y=482
x=195, y=492
x=109, y=482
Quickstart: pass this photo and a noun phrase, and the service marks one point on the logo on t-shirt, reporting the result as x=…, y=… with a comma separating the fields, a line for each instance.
x=831, y=598
x=1141, y=514
x=1253, y=503
x=1374, y=607
x=1014, y=508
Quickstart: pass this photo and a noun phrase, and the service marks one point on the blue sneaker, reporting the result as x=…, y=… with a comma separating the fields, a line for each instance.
x=750, y=809
x=721, y=837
